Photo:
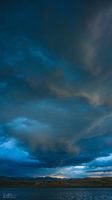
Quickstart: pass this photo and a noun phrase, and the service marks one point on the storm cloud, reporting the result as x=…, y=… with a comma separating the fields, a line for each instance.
x=55, y=88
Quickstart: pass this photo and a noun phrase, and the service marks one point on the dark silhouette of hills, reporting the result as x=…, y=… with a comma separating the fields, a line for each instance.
x=54, y=182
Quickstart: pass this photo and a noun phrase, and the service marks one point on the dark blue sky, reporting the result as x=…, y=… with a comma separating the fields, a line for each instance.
x=56, y=88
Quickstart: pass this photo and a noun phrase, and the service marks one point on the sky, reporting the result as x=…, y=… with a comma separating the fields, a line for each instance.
x=56, y=88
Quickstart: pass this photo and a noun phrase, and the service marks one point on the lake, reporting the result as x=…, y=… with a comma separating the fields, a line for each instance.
x=55, y=194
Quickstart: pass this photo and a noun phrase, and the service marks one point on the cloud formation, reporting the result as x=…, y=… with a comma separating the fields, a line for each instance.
x=55, y=88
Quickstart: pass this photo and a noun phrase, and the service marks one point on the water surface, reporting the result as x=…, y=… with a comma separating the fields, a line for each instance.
x=56, y=194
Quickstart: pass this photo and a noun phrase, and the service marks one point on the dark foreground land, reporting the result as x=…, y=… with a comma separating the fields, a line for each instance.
x=55, y=183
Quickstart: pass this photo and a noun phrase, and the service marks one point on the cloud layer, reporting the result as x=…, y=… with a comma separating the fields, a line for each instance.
x=56, y=88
